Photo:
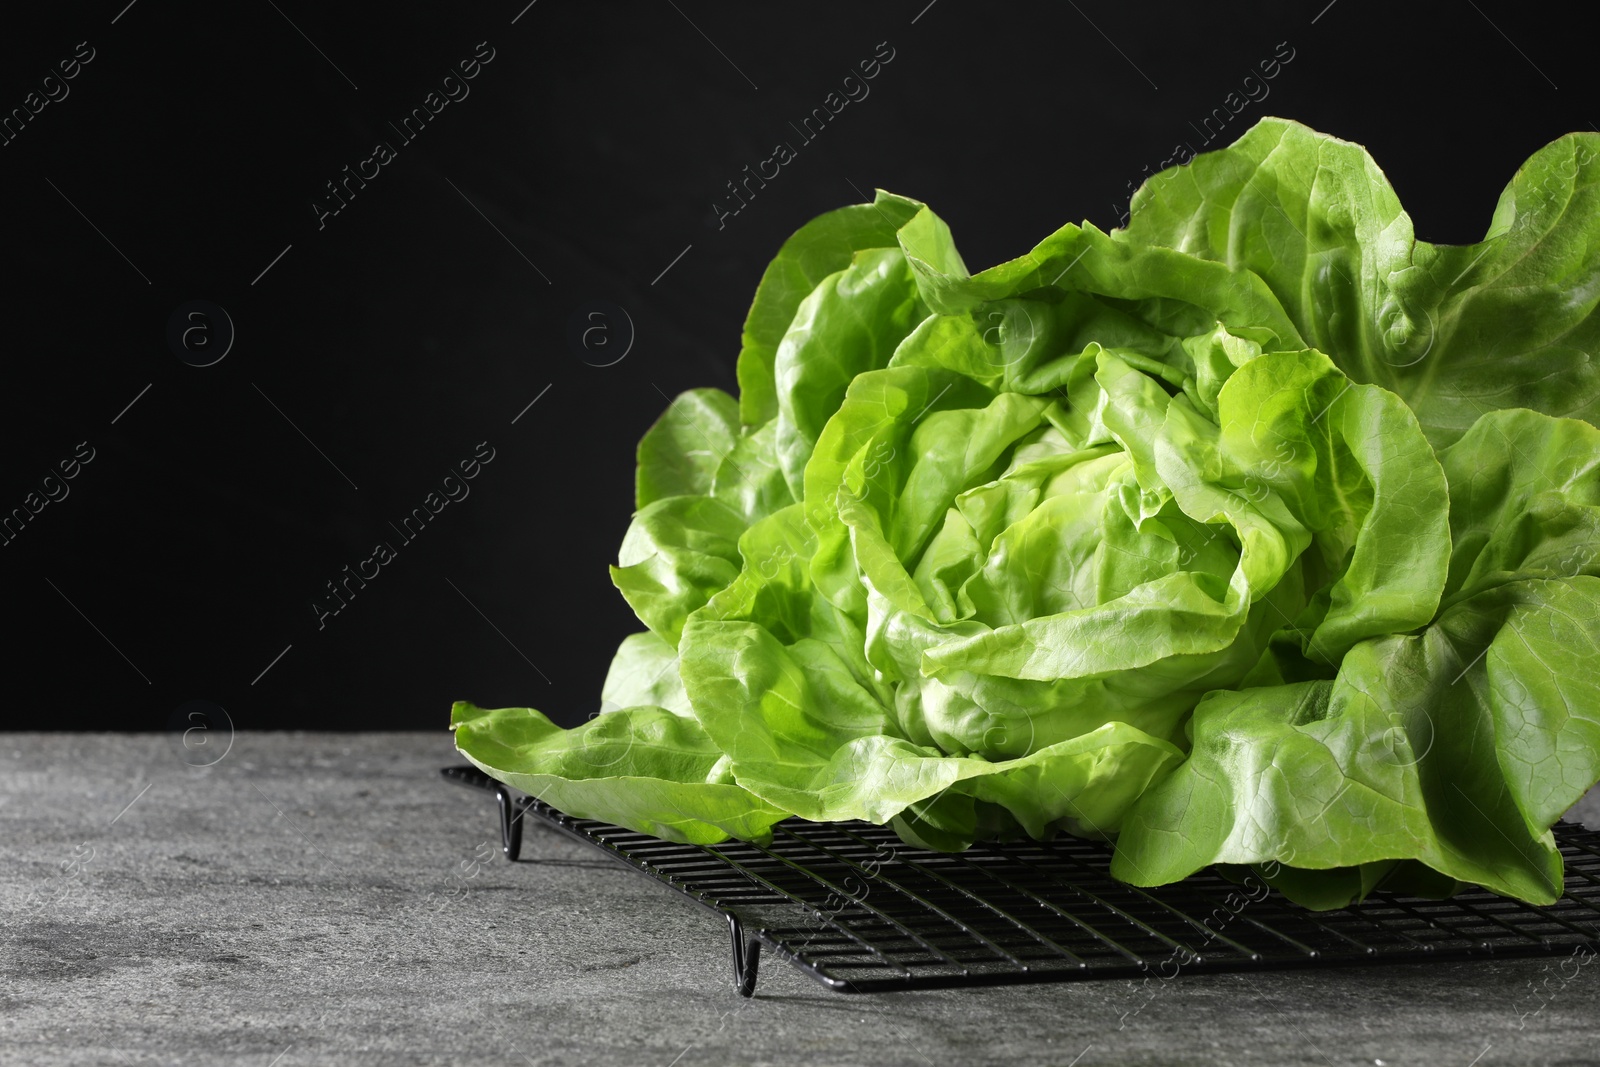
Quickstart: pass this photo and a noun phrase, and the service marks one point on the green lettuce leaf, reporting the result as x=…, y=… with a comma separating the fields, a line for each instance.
x=849, y=324
x=1456, y=331
x=821, y=247
x=681, y=453
x=678, y=553
x=644, y=671
x=808, y=730
x=1459, y=746
x=644, y=768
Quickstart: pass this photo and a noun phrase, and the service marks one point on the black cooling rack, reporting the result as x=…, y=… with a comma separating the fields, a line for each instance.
x=860, y=911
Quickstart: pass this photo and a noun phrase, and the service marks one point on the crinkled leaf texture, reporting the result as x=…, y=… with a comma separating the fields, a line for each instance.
x=1256, y=533
x=1456, y=331
x=1458, y=746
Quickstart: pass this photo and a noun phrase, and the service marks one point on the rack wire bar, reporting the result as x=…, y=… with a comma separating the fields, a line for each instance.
x=860, y=911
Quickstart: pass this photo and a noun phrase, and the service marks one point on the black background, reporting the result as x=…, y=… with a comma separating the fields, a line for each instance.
x=427, y=314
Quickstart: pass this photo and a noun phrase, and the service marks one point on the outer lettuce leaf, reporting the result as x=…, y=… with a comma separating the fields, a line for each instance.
x=1349, y=463
x=678, y=553
x=1456, y=331
x=1525, y=501
x=835, y=303
x=1398, y=758
x=680, y=454
x=750, y=478
x=821, y=247
x=1459, y=746
x=644, y=671
x=644, y=768
x=849, y=324
x=1525, y=493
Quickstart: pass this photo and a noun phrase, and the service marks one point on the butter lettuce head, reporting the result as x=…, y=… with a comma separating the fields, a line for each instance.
x=1256, y=533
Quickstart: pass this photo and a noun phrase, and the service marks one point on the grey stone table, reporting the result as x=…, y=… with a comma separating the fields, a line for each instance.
x=327, y=898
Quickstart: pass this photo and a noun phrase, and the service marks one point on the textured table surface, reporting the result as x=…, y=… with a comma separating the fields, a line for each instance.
x=327, y=898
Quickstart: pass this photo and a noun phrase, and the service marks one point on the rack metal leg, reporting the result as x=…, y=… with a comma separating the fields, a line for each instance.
x=746, y=958
x=511, y=811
